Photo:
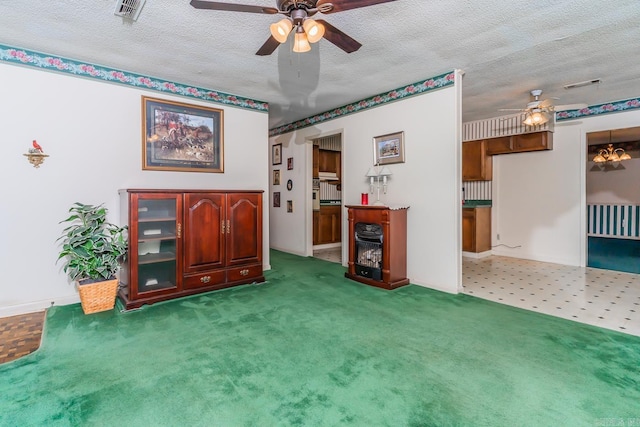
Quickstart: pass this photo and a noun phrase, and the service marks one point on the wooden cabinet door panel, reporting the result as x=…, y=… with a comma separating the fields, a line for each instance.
x=204, y=242
x=501, y=145
x=468, y=230
x=472, y=153
x=533, y=141
x=244, y=228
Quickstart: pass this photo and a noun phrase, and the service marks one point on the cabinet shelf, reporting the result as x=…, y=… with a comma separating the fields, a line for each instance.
x=156, y=258
x=157, y=237
x=142, y=219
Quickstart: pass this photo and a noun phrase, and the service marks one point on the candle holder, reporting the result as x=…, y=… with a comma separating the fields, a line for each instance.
x=378, y=179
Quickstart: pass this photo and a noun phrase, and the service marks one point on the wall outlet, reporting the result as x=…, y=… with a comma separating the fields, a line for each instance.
x=498, y=236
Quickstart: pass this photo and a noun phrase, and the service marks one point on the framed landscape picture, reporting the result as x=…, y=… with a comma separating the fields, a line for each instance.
x=388, y=149
x=181, y=137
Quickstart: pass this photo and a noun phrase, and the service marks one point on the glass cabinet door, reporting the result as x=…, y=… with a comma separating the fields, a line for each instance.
x=158, y=234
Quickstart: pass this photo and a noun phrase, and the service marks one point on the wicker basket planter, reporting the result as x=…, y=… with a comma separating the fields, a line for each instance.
x=98, y=296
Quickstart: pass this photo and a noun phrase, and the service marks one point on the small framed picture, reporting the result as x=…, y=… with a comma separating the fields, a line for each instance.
x=276, y=199
x=290, y=163
x=276, y=154
x=388, y=149
x=276, y=177
x=289, y=185
x=289, y=205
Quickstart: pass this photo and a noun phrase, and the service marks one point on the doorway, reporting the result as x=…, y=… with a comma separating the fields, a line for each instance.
x=327, y=198
x=613, y=199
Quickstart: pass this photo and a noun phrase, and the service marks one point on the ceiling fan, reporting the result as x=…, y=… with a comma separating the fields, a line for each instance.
x=297, y=19
x=538, y=112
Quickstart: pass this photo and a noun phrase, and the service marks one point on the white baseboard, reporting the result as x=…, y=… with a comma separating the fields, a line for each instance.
x=32, y=307
x=477, y=255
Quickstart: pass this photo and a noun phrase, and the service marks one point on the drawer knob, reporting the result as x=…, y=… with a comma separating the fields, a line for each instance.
x=205, y=279
x=244, y=272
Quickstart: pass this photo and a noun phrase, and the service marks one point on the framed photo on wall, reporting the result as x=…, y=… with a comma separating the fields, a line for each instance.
x=276, y=177
x=181, y=137
x=276, y=199
x=290, y=163
x=289, y=205
x=388, y=149
x=276, y=154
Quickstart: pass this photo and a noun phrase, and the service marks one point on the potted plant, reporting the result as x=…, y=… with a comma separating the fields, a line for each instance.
x=93, y=250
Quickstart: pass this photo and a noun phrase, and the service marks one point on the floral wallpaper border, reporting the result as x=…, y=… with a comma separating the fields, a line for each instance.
x=413, y=89
x=594, y=110
x=59, y=64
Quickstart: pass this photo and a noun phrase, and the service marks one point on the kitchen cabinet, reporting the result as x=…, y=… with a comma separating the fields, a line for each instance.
x=476, y=164
x=328, y=226
x=329, y=161
x=476, y=229
x=535, y=141
x=183, y=242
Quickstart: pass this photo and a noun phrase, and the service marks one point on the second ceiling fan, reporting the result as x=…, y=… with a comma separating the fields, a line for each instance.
x=298, y=20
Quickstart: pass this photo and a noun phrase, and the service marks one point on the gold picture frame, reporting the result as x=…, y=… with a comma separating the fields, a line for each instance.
x=181, y=137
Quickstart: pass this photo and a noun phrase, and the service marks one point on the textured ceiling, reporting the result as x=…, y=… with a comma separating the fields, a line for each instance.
x=505, y=47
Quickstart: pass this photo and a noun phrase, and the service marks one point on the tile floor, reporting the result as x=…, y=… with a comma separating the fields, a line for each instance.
x=605, y=298
x=331, y=254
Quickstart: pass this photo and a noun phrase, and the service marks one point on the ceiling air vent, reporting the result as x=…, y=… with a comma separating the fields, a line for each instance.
x=129, y=9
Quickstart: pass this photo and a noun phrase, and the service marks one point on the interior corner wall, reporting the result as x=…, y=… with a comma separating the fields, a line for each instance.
x=428, y=181
x=92, y=132
x=539, y=198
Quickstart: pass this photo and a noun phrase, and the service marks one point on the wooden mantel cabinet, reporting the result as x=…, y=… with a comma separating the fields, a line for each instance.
x=378, y=261
x=183, y=242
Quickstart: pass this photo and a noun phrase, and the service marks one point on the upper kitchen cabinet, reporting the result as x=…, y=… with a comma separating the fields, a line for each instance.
x=535, y=141
x=476, y=164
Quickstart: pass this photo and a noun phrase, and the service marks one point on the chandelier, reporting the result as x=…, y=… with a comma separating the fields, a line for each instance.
x=611, y=154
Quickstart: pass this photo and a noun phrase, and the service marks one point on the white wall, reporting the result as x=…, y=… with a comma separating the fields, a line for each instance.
x=619, y=185
x=92, y=132
x=429, y=181
x=539, y=198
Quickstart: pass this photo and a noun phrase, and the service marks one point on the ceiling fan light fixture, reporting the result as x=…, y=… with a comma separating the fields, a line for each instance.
x=301, y=44
x=536, y=118
x=314, y=30
x=281, y=29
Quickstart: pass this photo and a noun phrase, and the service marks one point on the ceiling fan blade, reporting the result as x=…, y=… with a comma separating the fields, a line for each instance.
x=545, y=104
x=338, y=38
x=214, y=5
x=340, y=5
x=268, y=47
x=569, y=107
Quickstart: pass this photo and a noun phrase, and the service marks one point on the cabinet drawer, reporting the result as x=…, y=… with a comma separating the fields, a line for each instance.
x=201, y=280
x=244, y=273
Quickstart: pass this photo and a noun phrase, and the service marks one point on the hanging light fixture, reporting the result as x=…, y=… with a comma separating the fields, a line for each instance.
x=536, y=117
x=611, y=154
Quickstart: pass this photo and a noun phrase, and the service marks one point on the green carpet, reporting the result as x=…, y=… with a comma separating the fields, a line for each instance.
x=311, y=348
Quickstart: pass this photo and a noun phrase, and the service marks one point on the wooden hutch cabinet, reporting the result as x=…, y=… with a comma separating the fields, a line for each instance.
x=183, y=242
x=378, y=246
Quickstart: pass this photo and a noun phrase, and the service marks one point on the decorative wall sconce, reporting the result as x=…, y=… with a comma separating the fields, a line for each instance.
x=35, y=155
x=378, y=178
